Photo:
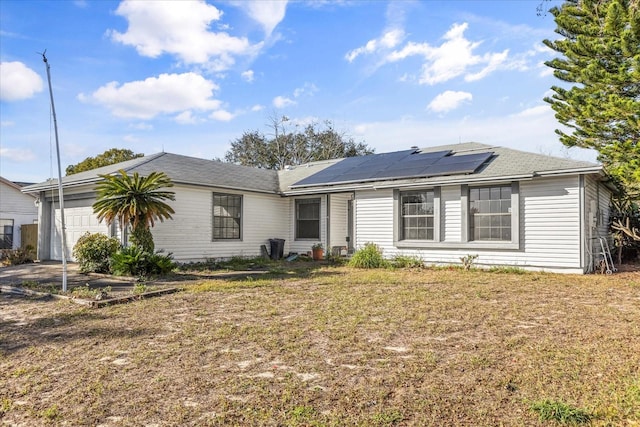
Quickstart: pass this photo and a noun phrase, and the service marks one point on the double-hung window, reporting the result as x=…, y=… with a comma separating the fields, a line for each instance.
x=490, y=213
x=308, y=219
x=417, y=215
x=6, y=233
x=227, y=216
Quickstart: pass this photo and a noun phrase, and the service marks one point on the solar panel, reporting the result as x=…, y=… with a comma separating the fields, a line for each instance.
x=396, y=165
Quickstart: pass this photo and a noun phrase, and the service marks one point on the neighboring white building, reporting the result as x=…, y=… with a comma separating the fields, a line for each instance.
x=16, y=209
x=508, y=207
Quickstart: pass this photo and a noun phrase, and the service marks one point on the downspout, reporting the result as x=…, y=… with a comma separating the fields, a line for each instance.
x=328, y=224
x=583, y=234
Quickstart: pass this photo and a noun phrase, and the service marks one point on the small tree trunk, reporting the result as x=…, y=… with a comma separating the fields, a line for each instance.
x=141, y=236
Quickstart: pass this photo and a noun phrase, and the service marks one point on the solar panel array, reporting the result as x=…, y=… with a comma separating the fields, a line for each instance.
x=396, y=165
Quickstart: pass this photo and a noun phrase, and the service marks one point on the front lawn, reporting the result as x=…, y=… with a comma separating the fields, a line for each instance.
x=332, y=346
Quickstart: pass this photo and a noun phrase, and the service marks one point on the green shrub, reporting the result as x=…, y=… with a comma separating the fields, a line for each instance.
x=370, y=256
x=92, y=252
x=404, y=261
x=133, y=261
x=549, y=410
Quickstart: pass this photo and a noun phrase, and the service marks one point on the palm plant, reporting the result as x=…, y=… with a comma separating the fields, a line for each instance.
x=136, y=201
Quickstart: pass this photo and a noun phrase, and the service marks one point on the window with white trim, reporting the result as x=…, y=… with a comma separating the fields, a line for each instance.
x=417, y=215
x=308, y=219
x=6, y=233
x=227, y=216
x=490, y=213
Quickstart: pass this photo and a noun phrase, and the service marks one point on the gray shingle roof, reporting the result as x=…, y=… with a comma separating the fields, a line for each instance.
x=506, y=163
x=181, y=170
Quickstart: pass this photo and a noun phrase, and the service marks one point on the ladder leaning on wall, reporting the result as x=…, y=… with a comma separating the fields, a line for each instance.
x=606, y=262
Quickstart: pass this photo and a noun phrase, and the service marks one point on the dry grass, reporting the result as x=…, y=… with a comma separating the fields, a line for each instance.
x=333, y=347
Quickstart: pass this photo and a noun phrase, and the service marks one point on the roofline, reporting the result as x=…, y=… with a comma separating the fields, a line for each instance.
x=466, y=179
x=591, y=169
x=14, y=185
x=53, y=184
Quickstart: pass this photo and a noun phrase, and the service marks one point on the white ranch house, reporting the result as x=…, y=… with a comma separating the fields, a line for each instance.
x=508, y=207
x=16, y=209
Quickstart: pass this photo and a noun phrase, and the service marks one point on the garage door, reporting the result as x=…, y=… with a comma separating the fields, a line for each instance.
x=78, y=220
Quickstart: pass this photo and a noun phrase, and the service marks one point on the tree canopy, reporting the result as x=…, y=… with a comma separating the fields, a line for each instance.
x=313, y=142
x=109, y=157
x=600, y=50
x=136, y=201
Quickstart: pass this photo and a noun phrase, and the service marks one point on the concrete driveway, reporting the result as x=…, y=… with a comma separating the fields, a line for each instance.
x=50, y=273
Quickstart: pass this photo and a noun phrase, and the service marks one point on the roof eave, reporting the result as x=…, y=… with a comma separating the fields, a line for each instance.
x=572, y=171
x=461, y=180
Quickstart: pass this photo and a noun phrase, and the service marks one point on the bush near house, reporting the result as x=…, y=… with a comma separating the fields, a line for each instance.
x=93, y=251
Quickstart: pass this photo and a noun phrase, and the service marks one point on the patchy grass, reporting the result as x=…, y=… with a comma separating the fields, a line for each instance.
x=332, y=346
x=560, y=412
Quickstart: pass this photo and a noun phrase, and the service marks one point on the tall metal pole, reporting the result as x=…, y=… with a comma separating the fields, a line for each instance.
x=60, y=192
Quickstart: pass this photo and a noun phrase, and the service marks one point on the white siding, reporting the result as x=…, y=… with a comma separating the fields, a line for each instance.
x=374, y=219
x=189, y=235
x=549, y=214
x=451, y=221
x=596, y=221
x=17, y=206
x=550, y=227
x=338, y=220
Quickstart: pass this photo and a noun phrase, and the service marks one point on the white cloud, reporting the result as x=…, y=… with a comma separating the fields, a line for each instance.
x=18, y=82
x=448, y=100
x=165, y=94
x=181, y=29
x=268, y=13
x=388, y=40
x=17, y=154
x=248, y=76
x=308, y=89
x=257, y=107
x=539, y=110
x=222, y=115
x=185, y=118
x=282, y=101
x=531, y=129
x=141, y=126
x=455, y=56
x=493, y=61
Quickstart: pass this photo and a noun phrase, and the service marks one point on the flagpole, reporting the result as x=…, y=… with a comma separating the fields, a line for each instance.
x=60, y=192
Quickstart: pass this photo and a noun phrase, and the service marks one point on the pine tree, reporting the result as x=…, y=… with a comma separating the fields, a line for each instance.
x=601, y=58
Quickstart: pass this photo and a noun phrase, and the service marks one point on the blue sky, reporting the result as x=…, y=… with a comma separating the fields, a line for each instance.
x=188, y=77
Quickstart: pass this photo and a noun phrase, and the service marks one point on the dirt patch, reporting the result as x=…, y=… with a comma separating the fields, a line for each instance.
x=334, y=347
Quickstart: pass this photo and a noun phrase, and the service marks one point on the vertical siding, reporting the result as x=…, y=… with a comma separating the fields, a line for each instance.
x=338, y=219
x=189, y=235
x=451, y=221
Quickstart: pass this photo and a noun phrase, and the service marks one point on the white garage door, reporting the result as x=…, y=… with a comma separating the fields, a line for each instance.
x=78, y=220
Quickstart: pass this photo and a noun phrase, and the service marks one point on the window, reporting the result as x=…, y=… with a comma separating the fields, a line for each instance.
x=490, y=213
x=227, y=216
x=308, y=219
x=416, y=215
x=6, y=233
